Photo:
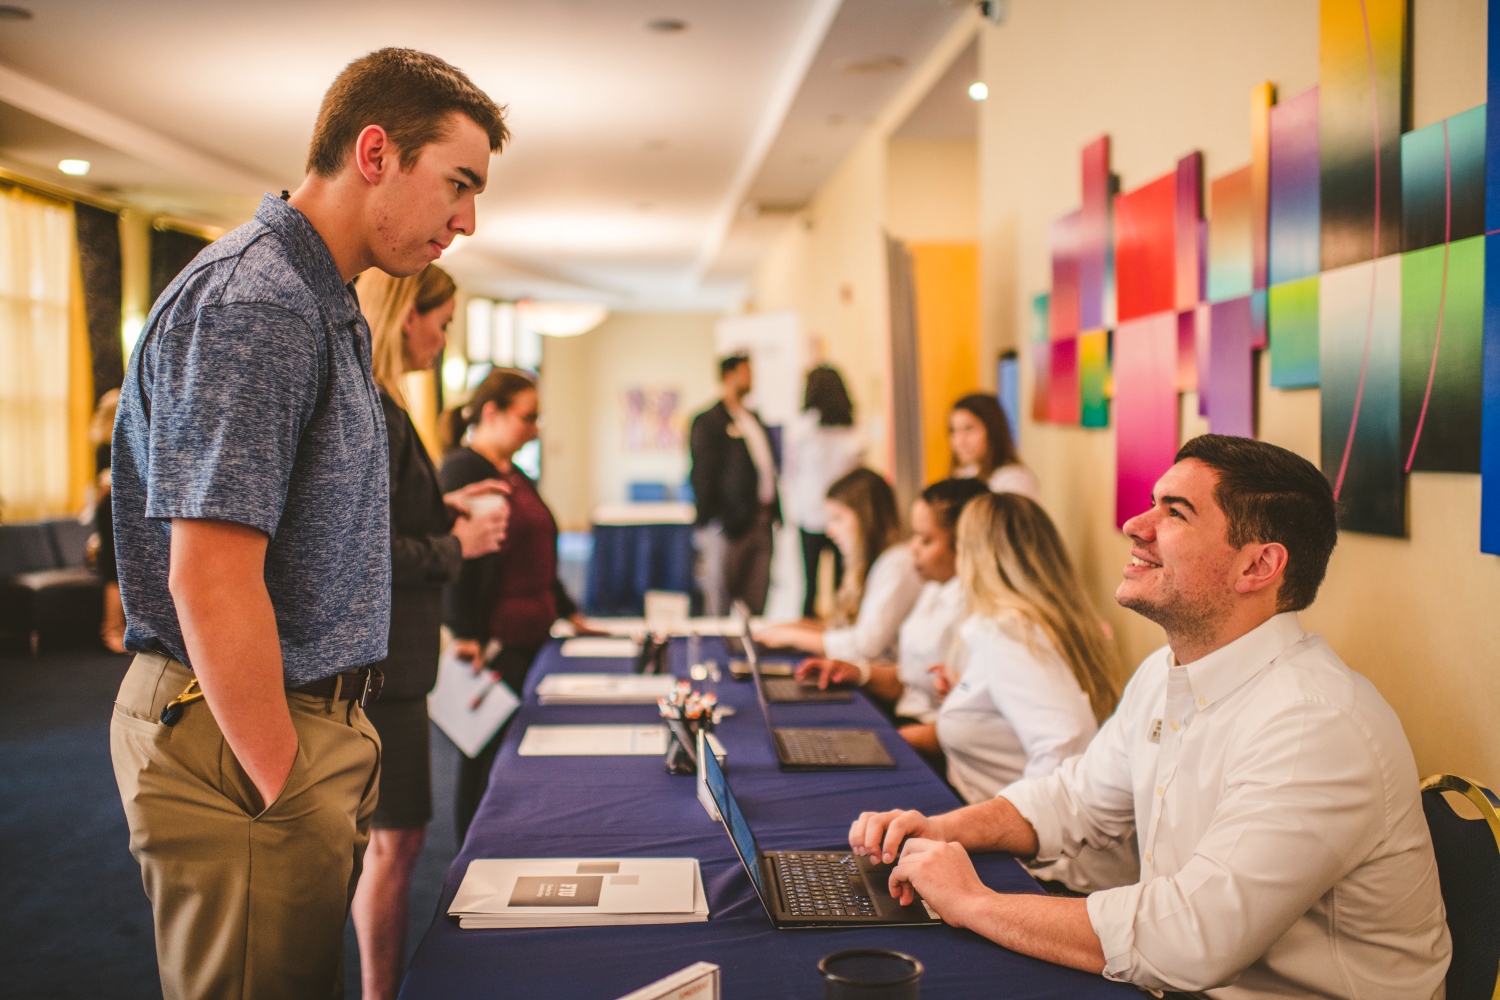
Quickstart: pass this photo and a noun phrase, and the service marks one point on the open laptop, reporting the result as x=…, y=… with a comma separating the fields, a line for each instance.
x=815, y=749
x=806, y=889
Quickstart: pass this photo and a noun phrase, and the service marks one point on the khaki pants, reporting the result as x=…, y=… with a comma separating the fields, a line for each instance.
x=248, y=902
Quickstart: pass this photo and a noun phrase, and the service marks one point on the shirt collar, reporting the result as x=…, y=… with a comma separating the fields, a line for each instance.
x=1226, y=668
x=310, y=256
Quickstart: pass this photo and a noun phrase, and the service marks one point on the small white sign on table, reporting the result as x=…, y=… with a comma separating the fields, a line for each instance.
x=699, y=981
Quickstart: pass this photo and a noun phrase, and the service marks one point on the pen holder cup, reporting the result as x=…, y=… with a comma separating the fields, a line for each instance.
x=870, y=974
x=682, y=745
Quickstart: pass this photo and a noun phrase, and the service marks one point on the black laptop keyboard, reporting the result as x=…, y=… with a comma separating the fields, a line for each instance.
x=823, y=885
x=809, y=746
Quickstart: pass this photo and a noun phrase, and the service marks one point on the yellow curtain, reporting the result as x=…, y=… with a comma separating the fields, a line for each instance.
x=946, y=279
x=81, y=462
x=38, y=264
x=420, y=389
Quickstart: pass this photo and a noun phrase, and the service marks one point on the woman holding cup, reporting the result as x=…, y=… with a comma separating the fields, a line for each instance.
x=431, y=535
x=509, y=600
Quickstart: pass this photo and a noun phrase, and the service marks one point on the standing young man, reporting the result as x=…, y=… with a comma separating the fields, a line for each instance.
x=734, y=484
x=1284, y=851
x=251, y=525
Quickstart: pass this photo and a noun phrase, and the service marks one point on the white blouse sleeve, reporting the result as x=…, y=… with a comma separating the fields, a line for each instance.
x=891, y=589
x=1015, y=478
x=1041, y=699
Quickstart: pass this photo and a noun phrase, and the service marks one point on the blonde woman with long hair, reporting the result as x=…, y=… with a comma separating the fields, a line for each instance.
x=1038, y=674
x=431, y=535
x=881, y=583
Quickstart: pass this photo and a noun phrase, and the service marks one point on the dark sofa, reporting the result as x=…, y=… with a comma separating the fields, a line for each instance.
x=48, y=597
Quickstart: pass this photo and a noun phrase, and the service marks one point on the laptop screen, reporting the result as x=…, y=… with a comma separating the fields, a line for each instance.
x=752, y=660
x=734, y=820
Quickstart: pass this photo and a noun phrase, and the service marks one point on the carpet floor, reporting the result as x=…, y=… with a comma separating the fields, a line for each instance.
x=74, y=921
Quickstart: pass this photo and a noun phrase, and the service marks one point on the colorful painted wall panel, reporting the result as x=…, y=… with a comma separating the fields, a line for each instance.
x=1093, y=379
x=1292, y=327
x=1442, y=356
x=1231, y=369
x=1041, y=356
x=1489, y=436
x=1062, y=383
x=1189, y=219
x=1258, y=339
x=1095, y=246
x=1187, y=351
x=1364, y=108
x=1489, y=443
x=1231, y=237
x=1359, y=371
x=945, y=286
x=1008, y=389
x=1145, y=256
x=1293, y=231
x=1442, y=181
x=1262, y=98
x=1200, y=354
x=1064, y=307
x=1145, y=409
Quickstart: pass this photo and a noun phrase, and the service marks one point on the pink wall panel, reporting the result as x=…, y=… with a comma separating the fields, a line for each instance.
x=1063, y=316
x=1062, y=383
x=1094, y=246
x=1231, y=369
x=1189, y=215
x=1145, y=407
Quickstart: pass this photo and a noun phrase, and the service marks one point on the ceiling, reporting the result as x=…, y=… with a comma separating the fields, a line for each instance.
x=648, y=169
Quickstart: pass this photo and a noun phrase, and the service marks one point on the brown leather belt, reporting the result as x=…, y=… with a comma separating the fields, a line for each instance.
x=362, y=685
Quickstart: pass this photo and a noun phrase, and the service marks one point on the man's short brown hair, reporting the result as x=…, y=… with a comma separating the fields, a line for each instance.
x=408, y=93
x=1269, y=494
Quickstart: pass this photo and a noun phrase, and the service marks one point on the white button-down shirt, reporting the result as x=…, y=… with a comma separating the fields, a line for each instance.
x=927, y=638
x=1284, y=851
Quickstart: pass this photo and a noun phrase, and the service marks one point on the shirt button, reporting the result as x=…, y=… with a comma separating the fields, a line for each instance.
x=1148, y=859
x=1158, y=789
x=1173, y=724
x=1202, y=701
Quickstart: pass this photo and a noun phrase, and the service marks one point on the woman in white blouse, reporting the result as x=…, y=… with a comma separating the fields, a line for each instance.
x=880, y=582
x=980, y=437
x=822, y=444
x=1038, y=675
x=927, y=635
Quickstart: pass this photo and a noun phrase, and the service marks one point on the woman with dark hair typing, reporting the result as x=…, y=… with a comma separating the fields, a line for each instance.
x=510, y=599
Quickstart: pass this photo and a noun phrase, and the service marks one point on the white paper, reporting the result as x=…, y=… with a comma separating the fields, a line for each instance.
x=636, y=627
x=628, y=891
x=594, y=741
x=470, y=708
x=699, y=981
x=600, y=646
x=667, y=612
x=605, y=689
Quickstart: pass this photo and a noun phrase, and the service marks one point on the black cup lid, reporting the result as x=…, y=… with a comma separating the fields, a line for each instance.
x=870, y=967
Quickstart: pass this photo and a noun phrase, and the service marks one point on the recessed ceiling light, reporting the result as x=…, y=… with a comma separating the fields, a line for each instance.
x=872, y=64
x=9, y=13
x=73, y=168
x=978, y=90
x=666, y=25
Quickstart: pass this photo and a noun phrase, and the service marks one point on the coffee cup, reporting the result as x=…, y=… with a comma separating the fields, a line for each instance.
x=485, y=504
x=870, y=974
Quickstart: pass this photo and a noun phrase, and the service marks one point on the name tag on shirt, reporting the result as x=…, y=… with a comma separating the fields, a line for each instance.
x=1155, y=734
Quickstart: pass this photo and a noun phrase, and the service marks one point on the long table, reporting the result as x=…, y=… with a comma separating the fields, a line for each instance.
x=630, y=806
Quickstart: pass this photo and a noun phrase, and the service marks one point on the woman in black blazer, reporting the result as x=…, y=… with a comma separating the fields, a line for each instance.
x=430, y=537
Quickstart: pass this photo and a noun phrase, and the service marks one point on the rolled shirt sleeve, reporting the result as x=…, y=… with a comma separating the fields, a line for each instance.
x=224, y=448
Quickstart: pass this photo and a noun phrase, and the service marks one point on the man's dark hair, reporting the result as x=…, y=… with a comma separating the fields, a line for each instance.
x=947, y=498
x=1269, y=494
x=408, y=93
x=729, y=364
x=825, y=393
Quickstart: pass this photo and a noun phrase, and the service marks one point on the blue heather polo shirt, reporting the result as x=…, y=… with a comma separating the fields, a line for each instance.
x=249, y=398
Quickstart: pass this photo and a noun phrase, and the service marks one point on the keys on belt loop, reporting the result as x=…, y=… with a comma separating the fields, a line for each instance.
x=374, y=682
x=172, y=713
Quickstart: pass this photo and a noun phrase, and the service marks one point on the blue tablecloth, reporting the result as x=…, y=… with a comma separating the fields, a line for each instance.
x=630, y=806
x=630, y=559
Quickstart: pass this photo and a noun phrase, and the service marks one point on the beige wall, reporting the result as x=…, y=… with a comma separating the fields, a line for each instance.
x=1163, y=77
x=932, y=190
x=584, y=459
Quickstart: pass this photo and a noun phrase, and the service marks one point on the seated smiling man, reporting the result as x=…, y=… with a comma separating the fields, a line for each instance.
x=1283, y=846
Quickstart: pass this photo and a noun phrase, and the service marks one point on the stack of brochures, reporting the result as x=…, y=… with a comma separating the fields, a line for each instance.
x=605, y=689
x=579, y=892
